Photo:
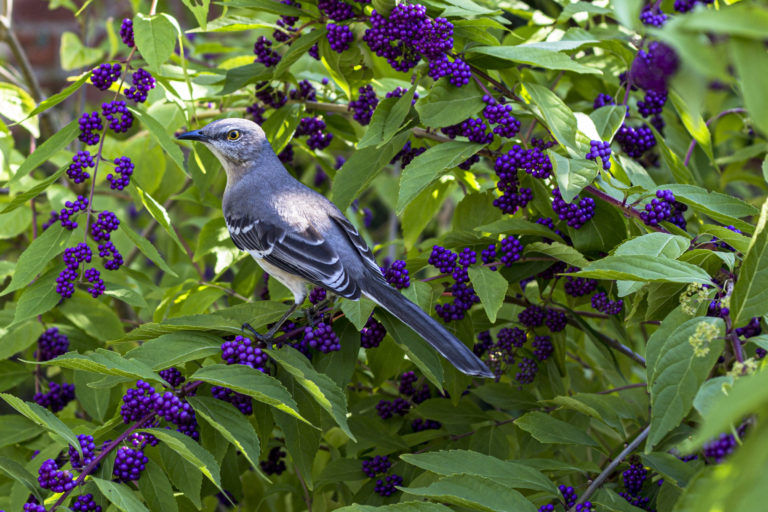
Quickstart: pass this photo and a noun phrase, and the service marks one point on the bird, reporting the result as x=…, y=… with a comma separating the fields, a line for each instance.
x=301, y=238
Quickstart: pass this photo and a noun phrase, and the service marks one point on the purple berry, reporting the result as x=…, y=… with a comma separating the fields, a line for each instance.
x=602, y=150
x=172, y=376
x=90, y=126
x=372, y=333
x=51, y=344
x=76, y=171
x=274, y=465
x=57, y=397
x=575, y=214
x=126, y=32
x=443, y=259
x=543, y=348
x=105, y=75
x=242, y=350
x=532, y=316
x=378, y=464
x=511, y=250
x=117, y=115
x=364, y=105
x=242, y=402
x=555, y=320
x=52, y=478
x=129, y=464
x=601, y=303
x=603, y=100
x=264, y=52
x=397, y=275
x=527, y=371
x=85, y=503
x=339, y=37
x=386, y=487
x=322, y=338
x=419, y=425
x=88, y=448
x=143, y=82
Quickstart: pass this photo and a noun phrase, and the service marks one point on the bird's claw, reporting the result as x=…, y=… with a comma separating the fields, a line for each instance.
x=256, y=335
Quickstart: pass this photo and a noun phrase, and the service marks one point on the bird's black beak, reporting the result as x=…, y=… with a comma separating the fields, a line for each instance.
x=193, y=135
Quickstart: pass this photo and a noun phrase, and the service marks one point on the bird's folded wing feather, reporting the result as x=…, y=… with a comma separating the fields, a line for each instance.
x=303, y=253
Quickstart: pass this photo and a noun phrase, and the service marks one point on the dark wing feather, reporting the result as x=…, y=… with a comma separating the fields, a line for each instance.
x=366, y=255
x=305, y=254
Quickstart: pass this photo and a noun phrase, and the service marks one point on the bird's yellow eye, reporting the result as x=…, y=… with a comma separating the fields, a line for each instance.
x=233, y=134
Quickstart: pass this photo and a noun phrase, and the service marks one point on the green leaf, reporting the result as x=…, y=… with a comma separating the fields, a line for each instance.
x=156, y=489
x=302, y=442
x=147, y=249
x=361, y=168
x=181, y=473
x=670, y=466
x=474, y=492
x=750, y=293
x=269, y=6
x=155, y=38
x=428, y=166
x=73, y=54
x=106, y=362
x=415, y=347
x=722, y=207
x=534, y=55
x=237, y=78
x=358, y=311
x=57, y=98
x=17, y=472
x=549, y=430
x=176, y=349
x=644, y=268
x=231, y=424
x=446, y=105
x=387, y=120
x=119, y=495
x=410, y=506
x=491, y=287
x=651, y=244
x=191, y=451
x=53, y=145
x=519, y=227
x=199, y=11
x=560, y=251
x=16, y=429
x=22, y=198
x=677, y=375
x=319, y=386
x=572, y=174
x=160, y=133
x=92, y=316
x=96, y=402
x=690, y=114
x=251, y=382
x=456, y=462
x=44, y=418
x=743, y=20
x=17, y=105
x=557, y=116
x=37, y=298
x=423, y=210
x=160, y=214
x=331, y=60
x=571, y=9
x=36, y=256
x=608, y=119
x=281, y=125
x=298, y=48
x=735, y=240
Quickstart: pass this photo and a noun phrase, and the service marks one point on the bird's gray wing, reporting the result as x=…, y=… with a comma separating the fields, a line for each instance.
x=351, y=232
x=303, y=253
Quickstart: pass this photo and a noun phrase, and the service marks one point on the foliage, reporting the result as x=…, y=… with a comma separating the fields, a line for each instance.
x=576, y=189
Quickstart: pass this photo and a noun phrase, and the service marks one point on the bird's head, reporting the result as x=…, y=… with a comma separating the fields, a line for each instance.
x=235, y=142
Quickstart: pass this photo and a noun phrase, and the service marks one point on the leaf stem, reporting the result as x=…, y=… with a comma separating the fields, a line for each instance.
x=710, y=121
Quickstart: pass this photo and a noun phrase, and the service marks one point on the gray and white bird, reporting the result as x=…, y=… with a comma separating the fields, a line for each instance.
x=299, y=237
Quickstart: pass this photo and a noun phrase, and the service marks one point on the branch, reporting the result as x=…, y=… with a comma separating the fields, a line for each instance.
x=597, y=482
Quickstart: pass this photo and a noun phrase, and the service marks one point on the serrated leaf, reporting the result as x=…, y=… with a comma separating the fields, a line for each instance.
x=239, y=77
x=17, y=472
x=251, y=382
x=160, y=133
x=147, y=249
x=677, y=375
x=298, y=48
x=119, y=495
x=429, y=166
x=560, y=251
x=650, y=244
x=92, y=316
x=22, y=198
x=155, y=38
x=106, y=362
x=160, y=214
x=535, y=55
x=446, y=105
x=457, y=462
x=519, y=227
x=557, y=116
x=387, y=120
x=750, y=293
x=491, y=287
x=36, y=256
x=44, y=418
x=735, y=240
x=549, y=430
x=320, y=387
x=156, y=489
x=415, y=347
x=51, y=146
x=361, y=168
x=231, y=423
x=572, y=174
x=722, y=207
x=176, y=349
x=644, y=268
x=358, y=311
x=191, y=451
x=608, y=120
x=37, y=298
x=474, y=492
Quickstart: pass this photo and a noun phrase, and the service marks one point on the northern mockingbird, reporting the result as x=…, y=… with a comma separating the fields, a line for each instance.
x=300, y=237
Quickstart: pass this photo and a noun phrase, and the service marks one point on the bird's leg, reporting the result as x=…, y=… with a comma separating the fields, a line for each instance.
x=267, y=338
x=312, y=312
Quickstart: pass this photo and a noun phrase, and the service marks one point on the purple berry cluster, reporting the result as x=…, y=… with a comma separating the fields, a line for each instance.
x=32, y=505
x=542, y=347
x=653, y=16
x=143, y=400
x=500, y=115
x=242, y=403
x=372, y=334
x=51, y=344
x=274, y=465
x=269, y=96
x=118, y=116
x=243, y=351
x=575, y=214
x=105, y=75
x=602, y=303
x=601, y=150
x=129, y=464
x=364, y=105
x=143, y=82
x=687, y=5
x=85, y=503
x=378, y=464
x=419, y=425
x=659, y=209
x=527, y=371
x=57, y=397
x=602, y=100
x=340, y=37
x=52, y=478
x=569, y=496
x=80, y=161
x=578, y=286
x=398, y=92
x=532, y=316
x=322, y=338
x=126, y=32
x=511, y=250
x=464, y=296
x=337, y=10
x=388, y=408
x=305, y=91
x=317, y=295
x=264, y=52
x=752, y=329
x=88, y=448
x=387, y=486
x=555, y=320
x=634, y=479
x=397, y=275
x=172, y=376
x=652, y=69
x=635, y=141
x=721, y=447
x=123, y=172
x=406, y=388
x=313, y=127
x=286, y=22
x=90, y=126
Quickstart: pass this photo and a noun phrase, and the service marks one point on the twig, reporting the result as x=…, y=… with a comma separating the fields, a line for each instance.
x=307, y=496
x=503, y=88
x=597, y=482
x=622, y=388
x=628, y=210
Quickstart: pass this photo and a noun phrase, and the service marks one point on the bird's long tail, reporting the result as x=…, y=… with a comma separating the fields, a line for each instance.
x=427, y=327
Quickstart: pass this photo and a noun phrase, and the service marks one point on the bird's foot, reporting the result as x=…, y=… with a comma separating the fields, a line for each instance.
x=266, y=340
